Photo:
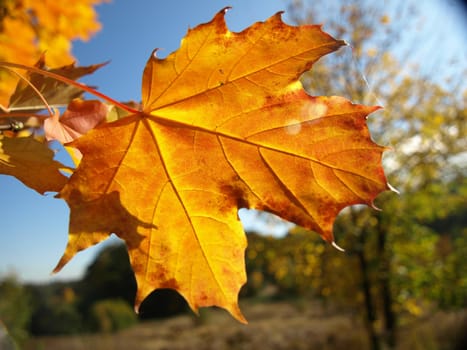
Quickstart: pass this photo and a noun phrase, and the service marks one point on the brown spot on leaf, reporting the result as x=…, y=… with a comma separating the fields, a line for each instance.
x=236, y=193
x=170, y=283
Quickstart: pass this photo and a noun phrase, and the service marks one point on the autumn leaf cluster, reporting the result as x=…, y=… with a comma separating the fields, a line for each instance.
x=224, y=124
x=30, y=27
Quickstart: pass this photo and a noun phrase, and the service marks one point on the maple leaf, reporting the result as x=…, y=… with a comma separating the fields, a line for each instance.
x=31, y=161
x=225, y=125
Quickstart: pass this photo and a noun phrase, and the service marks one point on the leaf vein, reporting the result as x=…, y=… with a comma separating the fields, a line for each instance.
x=227, y=82
x=292, y=197
x=235, y=170
x=185, y=211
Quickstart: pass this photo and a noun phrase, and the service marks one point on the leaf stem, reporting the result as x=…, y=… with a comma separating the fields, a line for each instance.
x=14, y=125
x=22, y=115
x=70, y=82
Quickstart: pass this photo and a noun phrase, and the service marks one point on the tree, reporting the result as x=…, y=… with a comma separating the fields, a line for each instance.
x=15, y=310
x=109, y=280
x=111, y=315
x=423, y=121
x=54, y=309
x=109, y=276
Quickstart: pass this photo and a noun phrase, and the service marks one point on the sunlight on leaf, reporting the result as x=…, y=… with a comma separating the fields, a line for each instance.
x=225, y=124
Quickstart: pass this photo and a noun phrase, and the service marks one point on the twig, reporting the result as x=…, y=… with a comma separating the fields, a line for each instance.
x=14, y=125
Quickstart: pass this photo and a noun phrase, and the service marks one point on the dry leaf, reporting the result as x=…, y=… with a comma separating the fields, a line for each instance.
x=56, y=93
x=80, y=117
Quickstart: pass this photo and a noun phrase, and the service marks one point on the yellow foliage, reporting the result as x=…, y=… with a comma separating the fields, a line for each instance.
x=372, y=52
x=385, y=19
x=69, y=295
x=31, y=27
x=412, y=306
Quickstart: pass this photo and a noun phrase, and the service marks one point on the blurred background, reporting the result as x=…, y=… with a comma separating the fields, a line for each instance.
x=402, y=281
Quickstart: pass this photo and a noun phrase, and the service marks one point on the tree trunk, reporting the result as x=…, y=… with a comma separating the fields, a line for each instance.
x=370, y=312
x=384, y=273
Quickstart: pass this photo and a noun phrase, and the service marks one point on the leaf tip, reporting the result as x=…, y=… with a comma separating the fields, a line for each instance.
x=334, y=244
x=225, y=10
x=373, y=205
x=372, y=109
x=100, y=65
x=237, y=314
x=59, y=265
x=393, y=189
x=154, y=53
x=278, y=15
x=221, y=15
x=218, y=21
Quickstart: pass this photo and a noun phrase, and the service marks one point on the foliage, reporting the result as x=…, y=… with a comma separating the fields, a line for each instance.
x=109, y=276
x=30, y=27
x=293, y=264
x=436, y=242
x=219, y=119
x=54, y=310
x=15, y=311
x=101, y=301
x=427, y=266
x=111, y=315
x=409, y=255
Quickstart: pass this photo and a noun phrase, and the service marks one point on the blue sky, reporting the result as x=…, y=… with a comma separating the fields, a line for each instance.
x=33, y=227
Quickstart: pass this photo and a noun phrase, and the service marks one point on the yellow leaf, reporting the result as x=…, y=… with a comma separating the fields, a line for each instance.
x=225, y=124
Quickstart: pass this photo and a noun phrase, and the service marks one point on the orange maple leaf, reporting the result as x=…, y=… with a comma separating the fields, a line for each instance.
x=225, y=125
